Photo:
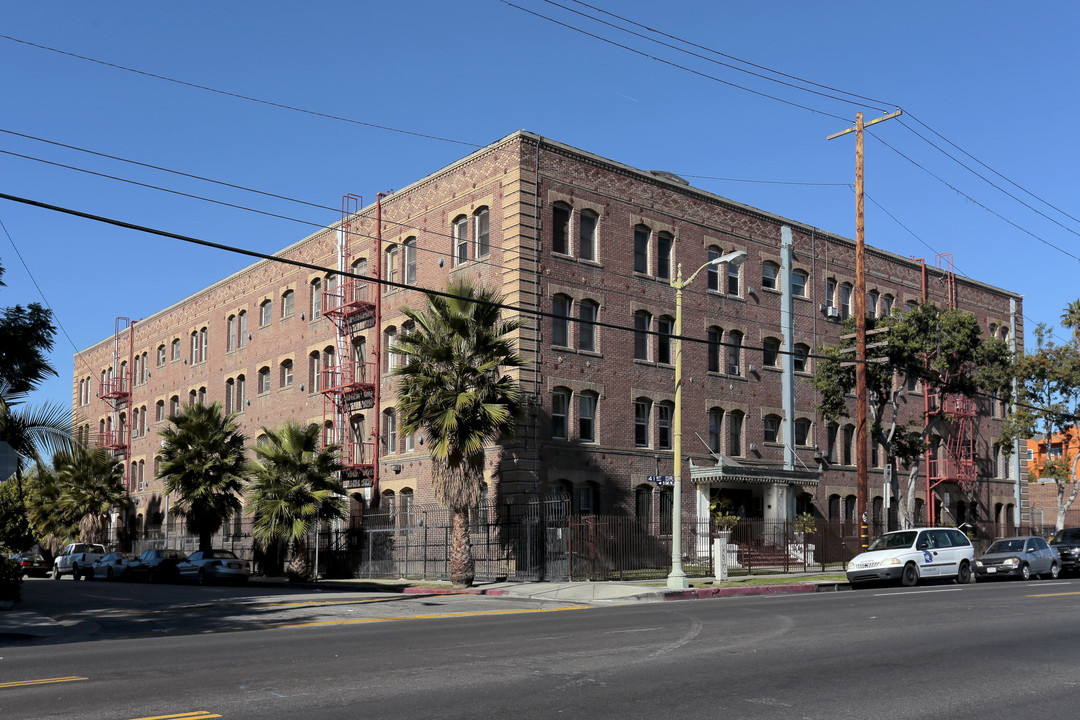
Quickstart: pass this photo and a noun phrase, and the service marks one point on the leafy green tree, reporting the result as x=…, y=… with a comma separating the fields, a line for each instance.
x=26, y=337
x=1048, y=403
x=292, y=484
x=1070, y=319
x=938, y=346
x=453, y=386
x=203, y=464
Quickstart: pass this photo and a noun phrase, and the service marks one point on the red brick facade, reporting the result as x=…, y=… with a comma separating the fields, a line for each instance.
x=538, y=196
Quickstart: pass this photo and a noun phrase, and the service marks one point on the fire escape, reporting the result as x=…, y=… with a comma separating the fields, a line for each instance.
x=350, y=384
x=952, y=460
x=115, y=392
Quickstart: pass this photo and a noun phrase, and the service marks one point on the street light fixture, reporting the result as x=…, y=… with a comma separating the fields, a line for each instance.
x=677, y=578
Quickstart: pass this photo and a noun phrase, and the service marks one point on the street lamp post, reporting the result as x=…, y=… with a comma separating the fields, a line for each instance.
x=677, y=578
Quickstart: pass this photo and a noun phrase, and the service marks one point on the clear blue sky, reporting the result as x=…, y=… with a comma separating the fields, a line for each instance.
x=997, y=79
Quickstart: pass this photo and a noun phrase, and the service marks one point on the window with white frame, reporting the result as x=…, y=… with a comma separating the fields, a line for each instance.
x=264, y=380
x=665, y=244
x=770, y=272
x=560, y=410
x=665, y=327
x=315, y=305
x=266, y=310
x=734, y=276
x=801, y=357
x=642, y=235
x=587, y=312
x=716, y=424
x=286, y=373
x=587, y=225
x=560, y=321
x=872, y=298
x=770, y=425
x=390, y=431
x=587, y=417
x=715, y=348
x=560, y=228
x=712, y=272
x=391, y=256
x=481, y=226
x=241, y=328
x=460, y=233
x=409, y=261
x=734, y=352
x=830, y=293
x=799, y=280
x=230, y=333
x=735, y=432
x=846, y=309
x=664, y=413
x=770, y=352
x=642, y=407
x=288, y=303
x=642, y=324
x=802, y=431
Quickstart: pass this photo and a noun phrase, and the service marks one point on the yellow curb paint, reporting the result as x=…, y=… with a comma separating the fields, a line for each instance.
x=1056, y=594
x=198, y=715
x=44, y=681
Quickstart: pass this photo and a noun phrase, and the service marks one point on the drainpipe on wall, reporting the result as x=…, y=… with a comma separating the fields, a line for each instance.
x=787, y=329
x=1016, y=441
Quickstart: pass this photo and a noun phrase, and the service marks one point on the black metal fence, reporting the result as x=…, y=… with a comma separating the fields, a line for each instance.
x=543, y=541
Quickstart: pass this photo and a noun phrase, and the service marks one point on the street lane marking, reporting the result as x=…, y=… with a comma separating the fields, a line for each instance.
x=1075, y=592
x=197, y=715
x=917, y=592
x=43, y=681
x=352, y=621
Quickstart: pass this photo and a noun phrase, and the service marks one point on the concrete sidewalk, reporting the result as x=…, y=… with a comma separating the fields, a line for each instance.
x=21, y=622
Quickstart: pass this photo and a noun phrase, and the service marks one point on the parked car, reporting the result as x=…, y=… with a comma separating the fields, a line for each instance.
x=1067, y=542
x=32, y=563
x=1020, y=557
x=76, y=559
x=206, y=566
x=912, y=555
x=159, y=564
x=118, y=565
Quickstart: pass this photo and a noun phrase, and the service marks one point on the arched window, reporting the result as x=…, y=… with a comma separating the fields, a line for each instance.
x=664, y=353
x=735, y=433
x=830, y=292
x=716, y=424
x=264, y=380
x=390, y=431
x=560, y=322
x=409, y=261
x=642, y=236
x=266, y=310
x=288, y=303
x=801, y=357
x=587, y=313
x=230, y=386
x=770, y=352
x=193, y=397
x=159, y=411
x=715, y=349
x=389, y=506
x=587, y=222
x=460, y=233
x=845, y=301
x=286, y=374
x=734, y=278
x=405, y=511
x=587, y=416
x=391, y=265
x=230, y=333
x=161, y=355
x=712, y=272
x=176, y=349
x=560, y=413
x=560, y=228
x=315, y=302
x=314, y=366
x=799, y=280
x=481, y=227
x=886, y=305
x=174, y=406
x=665, y=243
x=849, y=445
x=642, y=410
x=664, y=414
x=734, y=352
x=240, y=393
x=241, y=329
x=389, y=340
x=770, y=273
x=802, y=431
x=872, y=298
x=642, y=325
x=771, y=428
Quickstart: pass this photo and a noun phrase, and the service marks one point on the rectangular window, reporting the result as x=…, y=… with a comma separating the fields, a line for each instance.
x=830, y=293
x=733, y=271
x=240, y=392
x=663, y=256
x=264, y=381
x=560, y=229
x=641, y=249
x=391, y=268
x=716, y=420
x=161, y=355
x=410, y=262
x=230, y=340
x=587, y=417
x=390, y=432
x=242, y=328
x=287, y=304
x=798, y=283
x=265, y=311
x=641, y=423
x=483, y=236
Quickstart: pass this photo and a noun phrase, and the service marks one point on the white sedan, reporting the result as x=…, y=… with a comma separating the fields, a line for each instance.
x=121, y=565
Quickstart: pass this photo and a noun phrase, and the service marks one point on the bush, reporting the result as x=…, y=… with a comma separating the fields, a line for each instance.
x=10, y=580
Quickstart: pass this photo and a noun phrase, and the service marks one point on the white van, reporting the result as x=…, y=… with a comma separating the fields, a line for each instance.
x=911, y=555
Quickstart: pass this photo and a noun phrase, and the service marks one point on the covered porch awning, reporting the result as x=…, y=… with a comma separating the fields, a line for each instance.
x=728, y=471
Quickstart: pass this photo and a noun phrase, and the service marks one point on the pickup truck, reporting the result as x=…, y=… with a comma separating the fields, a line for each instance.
x=76, y=560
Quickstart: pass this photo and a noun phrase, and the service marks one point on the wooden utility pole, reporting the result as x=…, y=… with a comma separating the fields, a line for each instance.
x=861, y=456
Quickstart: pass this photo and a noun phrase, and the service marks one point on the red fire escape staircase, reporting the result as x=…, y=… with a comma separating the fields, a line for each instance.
x=350, y=385
x=954, y=461
x=115, y=391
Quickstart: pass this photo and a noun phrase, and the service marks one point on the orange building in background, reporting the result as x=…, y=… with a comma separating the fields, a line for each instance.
x=1062, y=446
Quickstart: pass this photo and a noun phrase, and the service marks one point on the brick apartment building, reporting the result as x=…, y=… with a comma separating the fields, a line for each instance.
x=585, y=247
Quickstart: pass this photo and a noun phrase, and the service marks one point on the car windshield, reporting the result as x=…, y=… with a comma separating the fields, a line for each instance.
x=220, y=554
x=893, y=540
x=1004, y=546
x=1067, y=535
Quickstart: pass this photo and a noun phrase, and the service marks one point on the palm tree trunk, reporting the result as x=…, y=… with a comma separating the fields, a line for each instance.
x=462, y=568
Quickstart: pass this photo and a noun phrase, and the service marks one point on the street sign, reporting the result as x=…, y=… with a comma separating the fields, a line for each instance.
x=662, y=479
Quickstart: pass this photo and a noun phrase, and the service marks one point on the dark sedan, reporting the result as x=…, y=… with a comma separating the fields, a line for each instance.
x=159, y=564
x=32, y=563
x=1067, y=543
x=1021, y=557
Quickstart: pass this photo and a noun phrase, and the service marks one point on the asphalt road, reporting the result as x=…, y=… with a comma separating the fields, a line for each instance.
x=944, y=651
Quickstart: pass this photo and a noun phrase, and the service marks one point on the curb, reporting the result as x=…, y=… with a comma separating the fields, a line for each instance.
x=450, y=591
x=702, y=593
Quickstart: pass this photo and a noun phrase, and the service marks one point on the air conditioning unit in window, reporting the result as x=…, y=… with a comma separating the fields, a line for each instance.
x=733, y=370
x=832, y=312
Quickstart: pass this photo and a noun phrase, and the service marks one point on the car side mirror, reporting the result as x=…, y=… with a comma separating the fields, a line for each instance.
x=922, y=546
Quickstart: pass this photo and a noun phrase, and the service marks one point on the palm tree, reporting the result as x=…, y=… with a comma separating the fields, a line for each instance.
x=32, y=432
x=91, y=481
x=202, y=461
x=1070, y=318
x=292, y=485
x=453, y=387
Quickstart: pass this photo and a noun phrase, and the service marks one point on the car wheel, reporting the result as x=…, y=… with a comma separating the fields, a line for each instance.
x=55, y=572
x=75, y=572
x=910, y=575
x=963, y=575
x=1054, y=571
x=1025, y=572
x=201, y=577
